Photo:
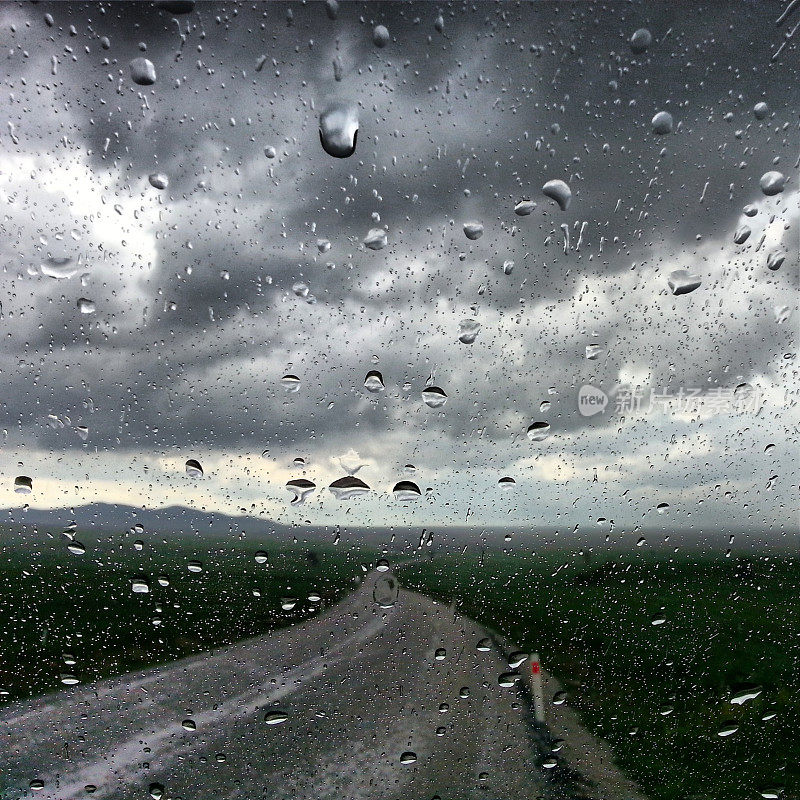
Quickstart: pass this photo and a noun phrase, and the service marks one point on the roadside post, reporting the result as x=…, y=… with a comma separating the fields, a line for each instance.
x=536, y=688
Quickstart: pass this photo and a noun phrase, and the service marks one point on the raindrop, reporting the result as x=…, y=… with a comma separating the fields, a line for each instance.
x=550, y=762
x=380, y=36
x=406, y=490
x=473, y=230
x=440, y=654
x=386, y=591
x=59, y=268
x=83, y=432
x=517, y=659
x=76, y=548
x=189, y=725
x=750, y=210
x=745, y=692
x=559, y=191
x=538, y=431
x=742, y=234
x=348, y=487
x=728, y=729
x=524, y=207
x=662, y=508
x=760, y=110
x=374, y=382
x=156, y=791
x=408, y=757
x=143, y=72
x=139, y=586
x=270, y=152
x=69, y=680
x=338, y=129
x=261, y=557
x=275, y=717
x=508, y=267
x=434, y=397
x=376, y=239
x=468, y=330
x=508, y=679
x=301, y=488
x=594, y=351
x=662, y=123
x=158, y=180
x=640, y=41
x=288, y=603
x=195, y=566
x=23, y=484
x=772, y=183
x=658, y=619
x=291, y=383
x=682, y=282
x=559, y=698
x=86, y=306
x=193, y=468
x=484, y=645
x=775, y=260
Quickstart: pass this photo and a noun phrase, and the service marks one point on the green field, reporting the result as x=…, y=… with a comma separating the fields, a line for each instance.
x=54, y=603
x=660, y=694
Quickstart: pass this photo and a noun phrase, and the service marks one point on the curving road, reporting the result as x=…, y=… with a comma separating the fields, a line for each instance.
x=359, y=685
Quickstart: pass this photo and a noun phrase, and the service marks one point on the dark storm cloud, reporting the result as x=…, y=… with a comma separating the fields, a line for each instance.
x=454, y=128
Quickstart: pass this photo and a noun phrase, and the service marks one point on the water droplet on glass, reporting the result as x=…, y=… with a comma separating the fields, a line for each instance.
x=524, y=207
x=508, y=267
x=194, y=468
x=559, y=191
x=374, y=381
x=640, y=41
x=682, y=282
x=276, y=717
x=158, y=180
x=261, y=557
x=86, y=306
x=728, y=729
x=189, y=725
x=376, y=239
x=83, y=432
x=434, y=397
x=484, y=645
x=517, y=659
x=348, y=487
x=386, y=591
x=76, y=548
x=380, y=36
x=440, y=654
x=550, y=762
x=508, y=679
x=468, y=330
x=143, y=72
x=270, y=152
x=406, y=490
x=59, y=268
x=760, y=110
x=291, y=383
x=772, y=183
x=662, y=123
x=68, y=679
x=473, y=230
x=23, y=484
x=338, y=129
x=745, y=692
x=662, y=508
x=139, y=586
x=195, y=566
x=594, y=351
x=301, y=488
x=538, y=431
x=156, y=791
x=658, y=619
x=408, y=757
x=742, y=234
x=775, y=260
x=559, y=698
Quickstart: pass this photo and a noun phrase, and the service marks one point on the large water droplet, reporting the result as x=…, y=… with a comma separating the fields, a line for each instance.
x=301, y=488
x=468, y=330
x=86, y=306
x=156, y=791
x=682, y=282
x=772, y=183
x=193, y=468
x=139, y=586
x=745, y=692
x=338, y=129
x=406, y=490
x=506, y=482
x=143, y=72
x=775, y=260
x=386, y=591
x=538, y=431
x=376, y=239
x=409, y=757
x=291, y=383
x=433, y=396
x=760, y=110
x=524, y=207
x=158, y=180
x=380, y=36
x=374, y=382
x=640, y=41
x=741, y=234
x=59, y=268
x=559, y=191
x=348, y=487
x=473, y=230
x=275, y=717
x=662, y=123
x=23, y=484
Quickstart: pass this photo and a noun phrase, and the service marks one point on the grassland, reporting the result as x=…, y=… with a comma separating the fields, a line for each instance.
x=54, y=603
x=659, y=693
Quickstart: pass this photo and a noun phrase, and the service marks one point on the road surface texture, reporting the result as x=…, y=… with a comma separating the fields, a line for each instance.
x=359, y=685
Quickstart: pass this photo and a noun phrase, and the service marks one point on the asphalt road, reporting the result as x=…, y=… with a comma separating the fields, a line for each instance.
x=359, y=686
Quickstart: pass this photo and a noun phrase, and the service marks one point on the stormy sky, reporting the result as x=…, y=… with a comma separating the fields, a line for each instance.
x=251, y=264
